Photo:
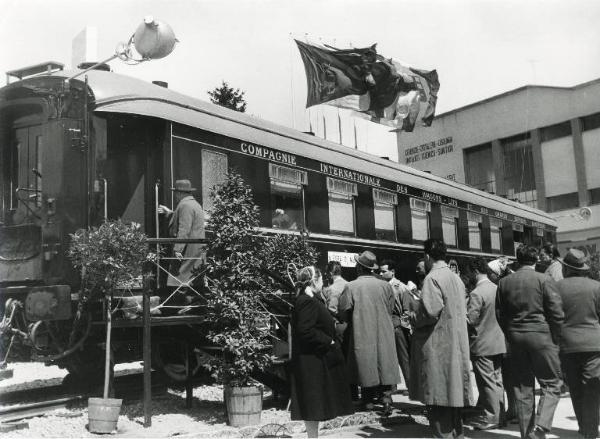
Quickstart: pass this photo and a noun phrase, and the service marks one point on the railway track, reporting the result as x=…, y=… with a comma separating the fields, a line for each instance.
x=23, y=404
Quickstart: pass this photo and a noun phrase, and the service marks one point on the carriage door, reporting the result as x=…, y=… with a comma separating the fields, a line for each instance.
x=204, y=167
x=26, y=175
x=20, y=231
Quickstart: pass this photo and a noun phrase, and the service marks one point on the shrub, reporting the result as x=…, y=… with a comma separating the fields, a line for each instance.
x=107, y=256
x=240, y=294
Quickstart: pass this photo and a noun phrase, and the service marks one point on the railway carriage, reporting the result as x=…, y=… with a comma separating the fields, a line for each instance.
x=74, y=152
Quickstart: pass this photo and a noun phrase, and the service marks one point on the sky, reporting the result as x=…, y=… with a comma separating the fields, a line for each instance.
x=479, y=48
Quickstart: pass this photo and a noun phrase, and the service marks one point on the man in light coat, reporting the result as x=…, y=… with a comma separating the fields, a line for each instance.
x=487, y=347
x=186, y=221
x=367, y=304
x=580, y=340
x=439, y=366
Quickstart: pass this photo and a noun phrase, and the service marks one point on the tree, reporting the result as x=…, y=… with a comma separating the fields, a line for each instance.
x=241, y=296
x=226, y=96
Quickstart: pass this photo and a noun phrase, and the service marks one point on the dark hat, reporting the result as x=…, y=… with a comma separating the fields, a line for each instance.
x=183, y=186
x=367, y=259
x=575, y=259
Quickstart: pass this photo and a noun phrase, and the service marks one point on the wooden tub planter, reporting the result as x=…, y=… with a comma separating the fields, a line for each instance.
x=243, y=405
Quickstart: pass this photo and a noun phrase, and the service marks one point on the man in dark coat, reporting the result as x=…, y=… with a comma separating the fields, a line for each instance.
x=580, y=340
x=401, y=324
x=186, y=221
x=367, y=304
x=487, y=347
x=530, y=314
x=439, y=362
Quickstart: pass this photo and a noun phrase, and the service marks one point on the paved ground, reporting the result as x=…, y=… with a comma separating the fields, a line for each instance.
x=565, y=426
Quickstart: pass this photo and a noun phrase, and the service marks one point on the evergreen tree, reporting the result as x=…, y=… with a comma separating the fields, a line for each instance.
x=228, y=97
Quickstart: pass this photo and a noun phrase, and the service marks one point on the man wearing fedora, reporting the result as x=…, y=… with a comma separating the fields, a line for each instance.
x=580, y=340
x=367, y=304
x=529, y=311
x=186, y=221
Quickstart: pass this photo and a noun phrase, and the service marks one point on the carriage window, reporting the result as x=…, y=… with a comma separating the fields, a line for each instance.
x=474, y=225
x=385, y=214
x=449, y=225
x=496, y=234
x=287, y=198
x=214, y=172
x=518, y=234
x=341, y=206
x=419, y=210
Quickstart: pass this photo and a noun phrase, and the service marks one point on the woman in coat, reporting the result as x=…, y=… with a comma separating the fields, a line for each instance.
x=320, y=389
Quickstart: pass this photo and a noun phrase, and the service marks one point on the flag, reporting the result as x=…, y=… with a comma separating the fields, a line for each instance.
x=361, y=80
x=332, y=74
x=398, y=98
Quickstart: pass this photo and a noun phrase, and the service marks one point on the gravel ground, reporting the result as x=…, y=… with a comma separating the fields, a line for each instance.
x=170, y=418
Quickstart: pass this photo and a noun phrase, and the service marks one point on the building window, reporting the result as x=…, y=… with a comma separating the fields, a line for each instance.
x=496, y=234
x=595, y=196
x=420, y=219
x=385, y=214
x=287, y=197
x=562, y=202
x=214, y=173
x=474, y=226
x=480, y=168
x=341, y=206
x=450, y=225
x=518, y=170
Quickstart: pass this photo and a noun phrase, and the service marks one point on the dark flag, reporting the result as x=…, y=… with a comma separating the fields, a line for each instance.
x=382, y=90
x=332, y=74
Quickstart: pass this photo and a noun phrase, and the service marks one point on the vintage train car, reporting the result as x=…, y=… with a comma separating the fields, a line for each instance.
x=76, y=151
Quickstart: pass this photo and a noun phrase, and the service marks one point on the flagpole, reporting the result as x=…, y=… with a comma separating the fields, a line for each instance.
x=355, y=139
x=292, y=82
x=339, y=124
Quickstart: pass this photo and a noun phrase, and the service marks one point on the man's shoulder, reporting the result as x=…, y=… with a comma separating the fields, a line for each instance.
x=578, y=282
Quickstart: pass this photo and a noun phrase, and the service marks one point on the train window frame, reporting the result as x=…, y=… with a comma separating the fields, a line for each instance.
x=384, y=202
x=341, y=193
x=518, y=228
x=474, y=229
x=450, y=219
x=420, y=210
x=496, y=232
x=287, y=182
x=205, y=186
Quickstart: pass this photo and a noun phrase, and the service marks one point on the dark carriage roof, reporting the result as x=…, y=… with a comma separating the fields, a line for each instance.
x=123, y=94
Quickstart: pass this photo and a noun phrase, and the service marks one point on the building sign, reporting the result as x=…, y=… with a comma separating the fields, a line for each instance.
x=429, y=150
x=345, y=259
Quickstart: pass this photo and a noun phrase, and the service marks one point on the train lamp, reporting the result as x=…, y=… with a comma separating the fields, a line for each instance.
x=153, y=39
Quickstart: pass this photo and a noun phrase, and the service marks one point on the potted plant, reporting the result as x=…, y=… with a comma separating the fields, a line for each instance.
x=240, y=296
x=107, y=256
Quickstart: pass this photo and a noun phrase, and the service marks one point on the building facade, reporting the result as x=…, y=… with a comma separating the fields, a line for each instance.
x=536, y=144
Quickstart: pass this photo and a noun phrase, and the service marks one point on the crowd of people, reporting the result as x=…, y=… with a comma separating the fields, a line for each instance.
x=508, y=324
